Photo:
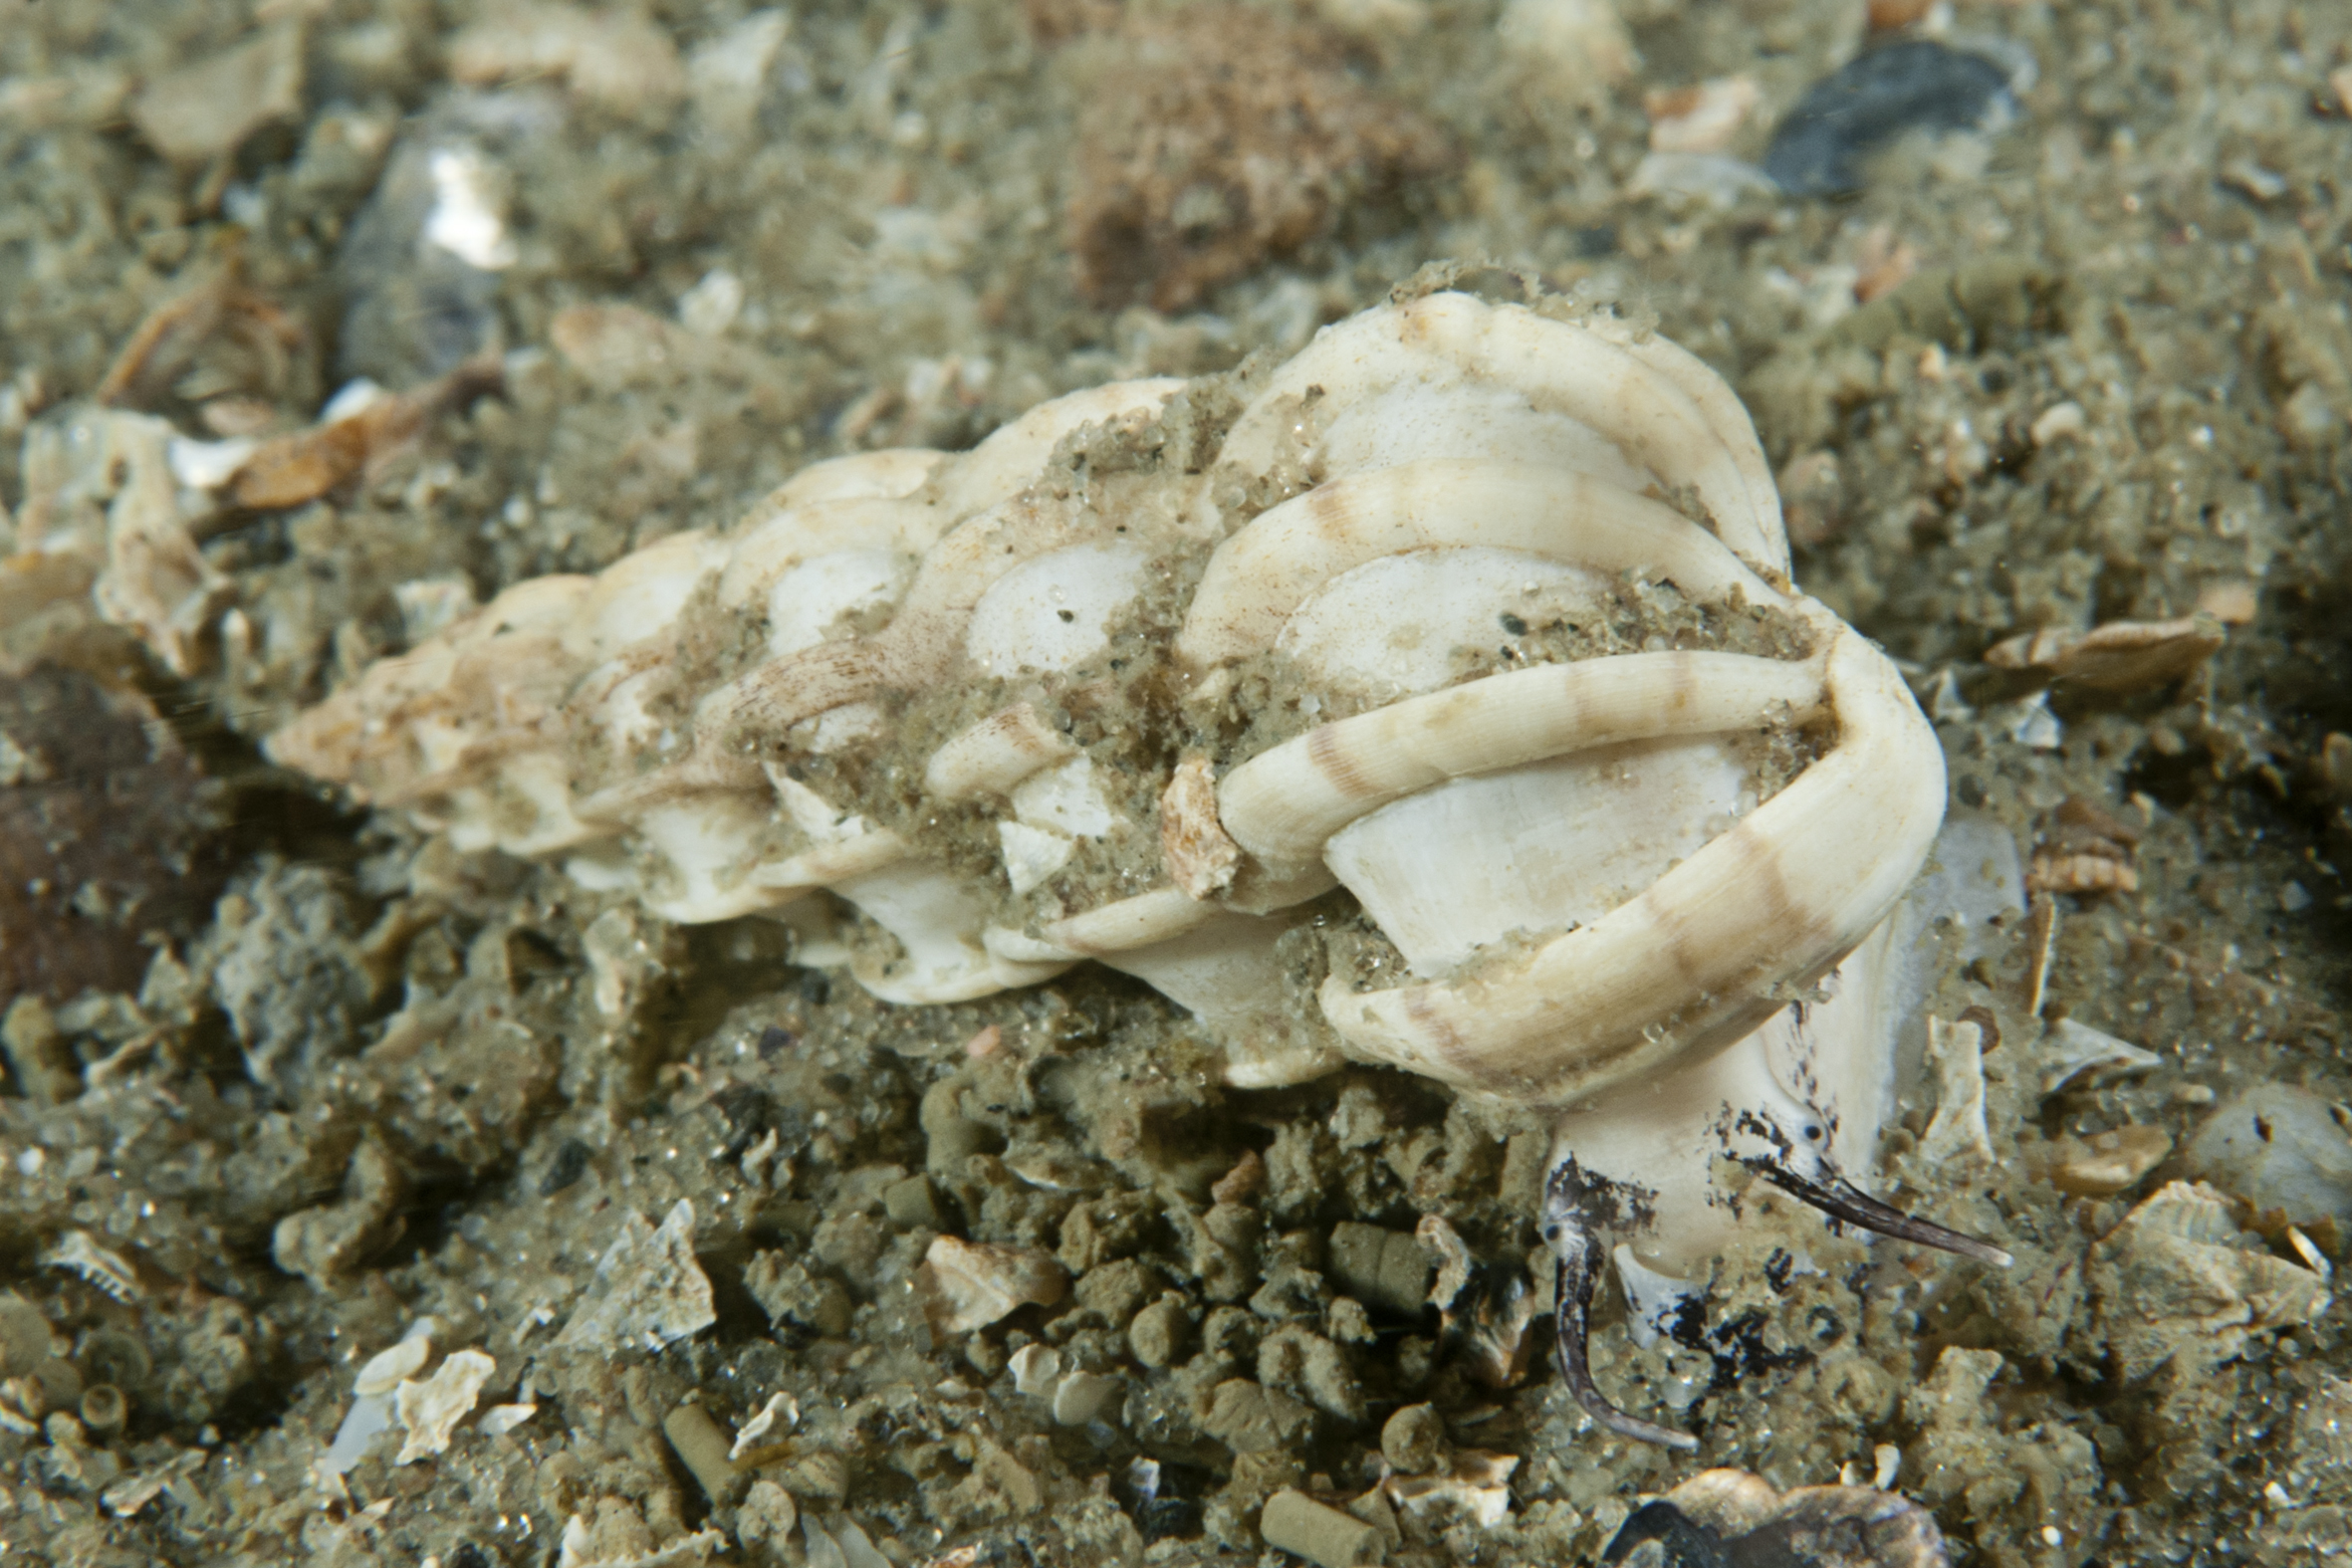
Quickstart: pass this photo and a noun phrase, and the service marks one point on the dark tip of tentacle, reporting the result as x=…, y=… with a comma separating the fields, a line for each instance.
x=1573, y=1320
x=1840, y=1199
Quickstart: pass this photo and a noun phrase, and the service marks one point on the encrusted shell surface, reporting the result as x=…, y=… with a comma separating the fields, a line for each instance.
x=1480, y=612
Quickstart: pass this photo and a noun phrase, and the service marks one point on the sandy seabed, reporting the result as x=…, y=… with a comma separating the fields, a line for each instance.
x=287, y=1079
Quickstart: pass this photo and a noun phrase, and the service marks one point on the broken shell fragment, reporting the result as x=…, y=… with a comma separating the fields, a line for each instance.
x=1202, y=857
x=2107, y=1163
x=2178, y=1281
x=1703, y=118
x=971, y=1285
x=2074, y=1049
x=2284, y=1150
x=1471, y=1479
x=2084, y=848
x=289, y=470
x=79, y=1252
x=2119, y=657
x=1957, y=1054
x=430, y=1411
x=1731, y=1517
x=386, y=1370
x=100, y=490
x=647, y=1291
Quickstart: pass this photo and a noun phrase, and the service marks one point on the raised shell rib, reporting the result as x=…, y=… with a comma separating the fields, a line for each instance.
x=1516, y=460
x=1729, y=934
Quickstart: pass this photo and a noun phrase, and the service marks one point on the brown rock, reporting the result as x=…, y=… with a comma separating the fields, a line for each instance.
x=1219, y=138
x=107, y=833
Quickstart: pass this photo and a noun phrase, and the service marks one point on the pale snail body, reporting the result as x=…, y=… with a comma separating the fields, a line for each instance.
x=1320, y=640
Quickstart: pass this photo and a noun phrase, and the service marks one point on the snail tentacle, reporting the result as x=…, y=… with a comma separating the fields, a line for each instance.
x=1829, y=1191
x=1573, y=1323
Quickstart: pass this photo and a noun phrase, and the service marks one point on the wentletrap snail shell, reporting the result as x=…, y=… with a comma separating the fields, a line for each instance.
x=1480, y=613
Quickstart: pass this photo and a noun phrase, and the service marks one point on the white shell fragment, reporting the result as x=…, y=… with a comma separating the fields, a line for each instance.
x=374, y=1392
x=647, y=1291
x=79, y=1252
x=499, y=1420
x=2173, y=1282
x=2071, y=1049
x=102, y=491
x=1412, y=621
x=1955, y=1053
x=1474, y=1481
x=429, y=1411
x=972, y=1284
x=780, y=1408
x=386, y=1370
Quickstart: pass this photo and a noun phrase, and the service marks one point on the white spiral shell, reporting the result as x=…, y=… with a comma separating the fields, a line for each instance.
x=1424, y=612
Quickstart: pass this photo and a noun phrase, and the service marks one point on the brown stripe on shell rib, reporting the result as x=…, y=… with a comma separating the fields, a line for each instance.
x=1332, y=760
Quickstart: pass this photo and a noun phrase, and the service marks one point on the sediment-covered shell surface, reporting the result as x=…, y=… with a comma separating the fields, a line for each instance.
x=1477, y=613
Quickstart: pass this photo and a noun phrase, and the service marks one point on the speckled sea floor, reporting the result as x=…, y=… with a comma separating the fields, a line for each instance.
x=303, y=1077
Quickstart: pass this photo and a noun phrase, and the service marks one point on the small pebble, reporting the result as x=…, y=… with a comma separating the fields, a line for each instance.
x=1414, y=1440
x=910, y=1206
x=1084, y=1396
x=1158, y=1332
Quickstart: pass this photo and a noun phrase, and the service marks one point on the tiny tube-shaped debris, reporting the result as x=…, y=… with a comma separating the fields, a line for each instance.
x=703, y=1449
x=1294, y=1522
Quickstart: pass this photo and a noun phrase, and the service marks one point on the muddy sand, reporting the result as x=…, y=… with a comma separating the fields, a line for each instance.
x=368, y=1201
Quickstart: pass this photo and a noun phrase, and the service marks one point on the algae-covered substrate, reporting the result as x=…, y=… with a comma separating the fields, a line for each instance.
x=314, y=1124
